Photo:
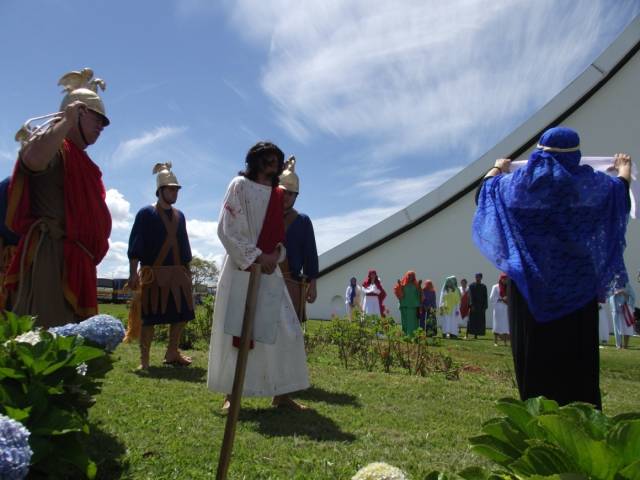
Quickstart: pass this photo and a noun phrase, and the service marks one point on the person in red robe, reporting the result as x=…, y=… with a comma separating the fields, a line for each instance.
x=57, y=205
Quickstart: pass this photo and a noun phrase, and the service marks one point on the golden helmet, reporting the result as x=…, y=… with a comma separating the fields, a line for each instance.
x=289, y=180
x=82, y=86
x=165, y=177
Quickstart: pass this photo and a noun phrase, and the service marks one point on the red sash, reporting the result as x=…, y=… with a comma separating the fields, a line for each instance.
x=628, y=315
x=272, y=232
x=87, y=227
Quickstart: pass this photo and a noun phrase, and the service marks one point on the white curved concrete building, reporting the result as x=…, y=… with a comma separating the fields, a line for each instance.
x=602, y=104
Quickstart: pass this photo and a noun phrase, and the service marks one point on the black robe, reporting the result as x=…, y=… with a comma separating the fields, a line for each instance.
x=558, y=359
x=479, y=302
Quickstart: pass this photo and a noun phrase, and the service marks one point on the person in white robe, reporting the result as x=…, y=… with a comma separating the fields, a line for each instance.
x=353, y=297
x=622, y=299
x=272, y=369
x=450, y=307
x=498, y=301
x=604, y=325
x=373, y=295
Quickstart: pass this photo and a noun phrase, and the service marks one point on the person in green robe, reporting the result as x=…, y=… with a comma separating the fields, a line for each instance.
x=409, y=295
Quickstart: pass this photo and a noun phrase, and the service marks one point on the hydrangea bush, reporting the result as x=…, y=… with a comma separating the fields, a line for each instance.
x=15, y=452
x=48, y=381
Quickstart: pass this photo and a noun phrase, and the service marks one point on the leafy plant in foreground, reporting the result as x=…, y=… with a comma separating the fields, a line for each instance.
x=48, y=382
x=538, y=439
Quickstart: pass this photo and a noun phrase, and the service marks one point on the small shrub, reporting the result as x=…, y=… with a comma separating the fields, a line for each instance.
x=48, y=382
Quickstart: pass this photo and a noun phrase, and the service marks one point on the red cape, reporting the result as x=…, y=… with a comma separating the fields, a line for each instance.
x=87, y=227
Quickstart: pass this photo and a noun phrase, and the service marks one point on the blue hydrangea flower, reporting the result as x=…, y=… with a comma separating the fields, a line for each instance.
x=104, y=330
x=65, y=330
x=15, y=452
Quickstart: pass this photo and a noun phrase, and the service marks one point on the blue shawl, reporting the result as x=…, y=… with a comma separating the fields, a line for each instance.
x=555, y=227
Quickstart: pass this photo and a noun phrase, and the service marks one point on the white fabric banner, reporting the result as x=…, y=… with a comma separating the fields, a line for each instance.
x=603, y=164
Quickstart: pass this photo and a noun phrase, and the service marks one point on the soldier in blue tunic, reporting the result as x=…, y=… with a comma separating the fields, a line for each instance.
x=160, y=245
x=300, y=269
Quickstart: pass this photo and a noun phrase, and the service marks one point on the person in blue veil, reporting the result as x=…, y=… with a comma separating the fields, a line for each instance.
x=557, y=229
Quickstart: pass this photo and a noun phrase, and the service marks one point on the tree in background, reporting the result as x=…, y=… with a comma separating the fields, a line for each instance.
x=203, y=272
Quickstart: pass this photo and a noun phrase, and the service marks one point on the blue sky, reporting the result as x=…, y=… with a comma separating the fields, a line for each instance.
x=380, y=101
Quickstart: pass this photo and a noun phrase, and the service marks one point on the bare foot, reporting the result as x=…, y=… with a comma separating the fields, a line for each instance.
x=285, y=401
x=178, y=360
x=226, y=405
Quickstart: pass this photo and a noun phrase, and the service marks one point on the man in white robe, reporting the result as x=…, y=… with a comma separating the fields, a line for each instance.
x=272, y=369
x=498, y=300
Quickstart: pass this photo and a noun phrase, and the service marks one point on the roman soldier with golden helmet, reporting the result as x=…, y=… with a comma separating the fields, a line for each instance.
x=300, y=269
x=160, y=245
x=56, y=203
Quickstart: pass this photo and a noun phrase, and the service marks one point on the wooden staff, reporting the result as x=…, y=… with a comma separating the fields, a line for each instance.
x=241, y=368
x=302, y=300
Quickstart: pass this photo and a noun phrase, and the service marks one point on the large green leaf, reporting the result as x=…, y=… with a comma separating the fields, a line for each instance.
x=11, y=325
x=631, y=472
x=6, y=372
x=541, y=405
x=494, y=449
x=594, y=422
x=85, y=354
x=624, y=438
x=474, y=473
x=18, y=414
x=593, y=457
x=544, y=460
x=516, y=411
x=506, y=431
x=625, y=416
x=59, y=422
x=24, y=354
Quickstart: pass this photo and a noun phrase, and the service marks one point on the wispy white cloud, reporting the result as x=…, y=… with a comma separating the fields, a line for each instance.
x=417, y=75
x=134, y=146
x=235, y=89
x=120, y=210
x=137, y=91
x=400, y=192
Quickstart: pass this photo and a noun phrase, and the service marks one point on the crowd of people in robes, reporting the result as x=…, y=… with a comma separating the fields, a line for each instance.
x=457, y=308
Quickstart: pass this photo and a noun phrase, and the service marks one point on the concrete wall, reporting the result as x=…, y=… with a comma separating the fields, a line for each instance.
x=441, y=246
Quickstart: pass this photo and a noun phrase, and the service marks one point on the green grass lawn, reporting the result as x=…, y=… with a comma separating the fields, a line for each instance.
x=165, y=423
